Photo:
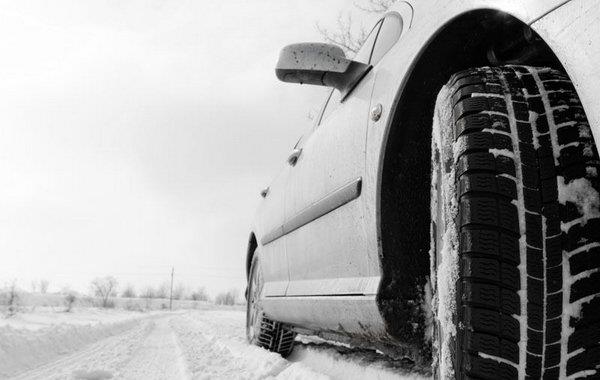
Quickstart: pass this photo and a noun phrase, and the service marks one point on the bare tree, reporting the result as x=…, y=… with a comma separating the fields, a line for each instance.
x=128, y=292
x=104, y=288
x=346, y=34
x=162, y=291
x=179, y=292
x=374, y=6
x=147, y=293
x=227, y=298
x=44, y=286
x=199, y=294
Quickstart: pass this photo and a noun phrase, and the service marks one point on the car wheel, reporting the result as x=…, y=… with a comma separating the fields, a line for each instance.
x=515, y=228
x=260, y=330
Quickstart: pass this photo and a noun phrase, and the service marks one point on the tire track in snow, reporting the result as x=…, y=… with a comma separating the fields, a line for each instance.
x=159, y=356
x=210, y=345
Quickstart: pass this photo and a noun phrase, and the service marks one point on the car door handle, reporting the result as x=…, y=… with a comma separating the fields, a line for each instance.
x=293, y=158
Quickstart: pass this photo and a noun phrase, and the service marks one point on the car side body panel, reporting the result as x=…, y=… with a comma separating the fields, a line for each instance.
x=327, y=255
x=270, y=216
x=358, y=315
x=577, y=21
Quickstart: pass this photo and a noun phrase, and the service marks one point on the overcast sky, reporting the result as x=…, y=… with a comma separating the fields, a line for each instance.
x=136, y=135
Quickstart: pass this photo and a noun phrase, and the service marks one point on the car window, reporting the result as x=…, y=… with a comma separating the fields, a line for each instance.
x=389, y=33
x=364, y=53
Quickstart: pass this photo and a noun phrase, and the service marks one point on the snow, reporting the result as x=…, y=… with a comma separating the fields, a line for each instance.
x=45, y=317
x=585, y=132
x=427, y=307
x=186, y=344
x=591, y=171
x=446, y=274
x=533, y=117
x=502, y=152
x=27, y=339
x=582, y=194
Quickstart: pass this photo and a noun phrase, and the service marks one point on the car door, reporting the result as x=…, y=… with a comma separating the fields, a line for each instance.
x=325, y=240
x=270, y=217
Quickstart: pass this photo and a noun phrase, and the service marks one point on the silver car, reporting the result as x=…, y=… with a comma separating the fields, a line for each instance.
x=444, y=207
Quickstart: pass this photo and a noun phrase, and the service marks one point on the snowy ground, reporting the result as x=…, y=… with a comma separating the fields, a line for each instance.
x=192, y=344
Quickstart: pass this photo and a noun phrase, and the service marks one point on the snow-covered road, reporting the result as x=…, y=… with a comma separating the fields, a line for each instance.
x=206, y=345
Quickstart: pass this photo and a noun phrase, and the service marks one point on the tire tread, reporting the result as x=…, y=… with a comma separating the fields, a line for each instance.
x=491, y=164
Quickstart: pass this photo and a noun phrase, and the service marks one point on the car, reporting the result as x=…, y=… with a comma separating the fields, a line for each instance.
x=444, y=206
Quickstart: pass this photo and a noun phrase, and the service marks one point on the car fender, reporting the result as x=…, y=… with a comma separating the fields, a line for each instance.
x=572, y=31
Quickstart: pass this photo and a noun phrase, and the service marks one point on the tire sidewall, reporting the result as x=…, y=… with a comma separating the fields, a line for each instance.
x=443, y=213
x=253, y=306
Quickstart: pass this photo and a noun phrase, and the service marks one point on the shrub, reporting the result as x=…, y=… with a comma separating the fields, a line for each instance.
x=69, y=302
x=128, y=292
x=11, y=298
x=104, y=288
x=179, y=292
x=227, y=298
x=199, y=295
x=162, y=291
x=133, y=306
x=147, y=293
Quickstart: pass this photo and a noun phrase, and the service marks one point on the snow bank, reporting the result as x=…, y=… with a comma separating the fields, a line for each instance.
x=215, y=346
x=28, y=340
x=346, y=366
x=48, y=317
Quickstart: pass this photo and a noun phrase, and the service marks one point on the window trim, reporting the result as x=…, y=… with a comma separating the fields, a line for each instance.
x=402, y=29
x=381, y=21
x=377, y=25
x=323, y=108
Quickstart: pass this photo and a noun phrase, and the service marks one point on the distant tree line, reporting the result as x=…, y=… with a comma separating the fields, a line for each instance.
x=105, y=290
x=180, y=292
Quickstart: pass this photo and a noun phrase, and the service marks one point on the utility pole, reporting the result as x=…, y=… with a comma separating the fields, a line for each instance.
x=171, y=294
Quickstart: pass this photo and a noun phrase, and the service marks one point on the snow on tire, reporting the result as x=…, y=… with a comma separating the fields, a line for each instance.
x=260, y=330
x=515, y=228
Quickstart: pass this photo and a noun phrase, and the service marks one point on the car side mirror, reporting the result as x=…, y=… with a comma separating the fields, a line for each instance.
x=320, y=64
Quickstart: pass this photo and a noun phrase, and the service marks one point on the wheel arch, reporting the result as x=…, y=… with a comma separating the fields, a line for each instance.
x=405, y=166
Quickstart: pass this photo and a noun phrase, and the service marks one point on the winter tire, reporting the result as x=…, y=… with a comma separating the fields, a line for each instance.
x=260, y=330
x=515, y=228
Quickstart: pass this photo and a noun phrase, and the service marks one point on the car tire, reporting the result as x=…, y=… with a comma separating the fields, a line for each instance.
x=515, y=253
x=260, y=330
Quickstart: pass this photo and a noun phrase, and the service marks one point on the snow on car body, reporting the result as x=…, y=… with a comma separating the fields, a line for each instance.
x=344, y=230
